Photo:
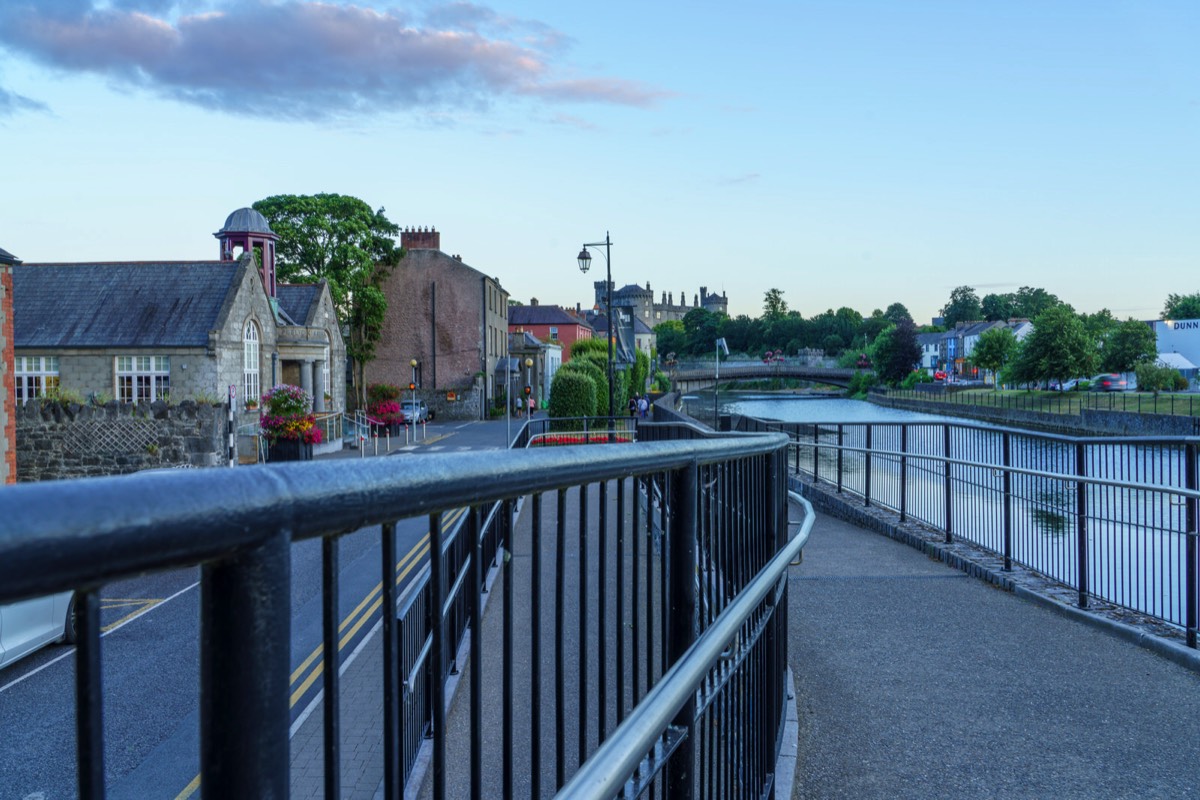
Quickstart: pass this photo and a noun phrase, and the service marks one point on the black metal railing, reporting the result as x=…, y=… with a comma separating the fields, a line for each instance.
x=1054, y=402
x=642, y=535
x=1113, y=518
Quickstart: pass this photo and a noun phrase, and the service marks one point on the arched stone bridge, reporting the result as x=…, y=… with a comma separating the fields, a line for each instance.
x=693, y=376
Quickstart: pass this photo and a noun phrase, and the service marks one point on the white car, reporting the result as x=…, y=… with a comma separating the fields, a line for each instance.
x=31, y=624
x=415, y=410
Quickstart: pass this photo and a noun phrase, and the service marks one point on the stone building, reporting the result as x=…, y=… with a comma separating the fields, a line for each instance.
x=652, y=313
x=451, y=319
x=8, y=429
x=145, y=331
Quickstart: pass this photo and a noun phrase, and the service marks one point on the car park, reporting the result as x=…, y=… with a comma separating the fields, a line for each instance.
x=415, y=411
x=1108, y=382
x=29, y=625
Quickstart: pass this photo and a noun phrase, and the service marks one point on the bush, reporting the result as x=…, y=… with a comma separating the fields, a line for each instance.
x=595, y=374
x=379, y=392
x=915, y=377
x=1152, y=377
x=572, y=394
x=286, y=416
x=861, y=382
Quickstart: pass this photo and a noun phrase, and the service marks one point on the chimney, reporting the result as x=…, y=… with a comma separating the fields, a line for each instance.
x=533, y=301
x=420, y=239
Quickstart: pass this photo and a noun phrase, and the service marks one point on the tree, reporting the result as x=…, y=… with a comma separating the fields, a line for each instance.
x=670, y=337
x=993, y=350
x=896, y=352
x=1130, y=344
x=1182, y=306
x=874, y=325
x=963, y=307
x=1152, y=377
x=702, y=331
x=338, y=239
x=774, y=306
x=998, y=306
x=1029, y=302
x=896, y=312
x=1057, y=348
x=572, y=394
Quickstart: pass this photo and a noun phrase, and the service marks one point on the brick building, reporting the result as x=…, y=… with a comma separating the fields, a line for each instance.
x=8, y=429
x=549, y=324
x=145, y=331
x=452, y=319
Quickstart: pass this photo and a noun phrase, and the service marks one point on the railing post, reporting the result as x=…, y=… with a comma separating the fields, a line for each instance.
x=1007, y=502
x=1193, y=565
x=1081, y=524
x=867, y=469
x=816, y=453
x=903, y=472
x=682, y=630
x=839, y=458
x=947, y=489
x=245, y=645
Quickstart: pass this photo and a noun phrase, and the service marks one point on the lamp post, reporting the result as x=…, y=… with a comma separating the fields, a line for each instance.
x=528, y=388
x=412, y=386
x=585, y=261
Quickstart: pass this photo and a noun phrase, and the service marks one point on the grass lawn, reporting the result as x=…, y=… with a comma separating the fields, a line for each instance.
x=1064, y=402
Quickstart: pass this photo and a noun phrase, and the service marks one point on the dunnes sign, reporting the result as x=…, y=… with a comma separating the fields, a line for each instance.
x=1183, y=324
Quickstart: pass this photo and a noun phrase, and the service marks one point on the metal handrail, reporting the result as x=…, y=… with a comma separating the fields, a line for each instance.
x=606, y=771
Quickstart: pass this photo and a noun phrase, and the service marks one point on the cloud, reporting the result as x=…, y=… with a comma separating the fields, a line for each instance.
x=305, y=59
x=12, y=103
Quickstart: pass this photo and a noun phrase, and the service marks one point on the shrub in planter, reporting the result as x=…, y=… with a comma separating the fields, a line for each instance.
x=288, y=426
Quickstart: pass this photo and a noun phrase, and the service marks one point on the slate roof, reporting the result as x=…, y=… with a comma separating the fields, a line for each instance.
x=541, y=315
x=245, y=220
x=296, y=299
x=600, y=325
x=145, y=304
x=7, y=257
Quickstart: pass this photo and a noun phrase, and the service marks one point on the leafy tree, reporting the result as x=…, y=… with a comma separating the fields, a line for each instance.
x=593, y=369
x=962, y=307
x=1057, y=348
x=896, y=352
x=702, y=329
x=1131, y=343
x=896, y=312
x=774, y=306
x=1182, y=306
x=833, y=344
x=993, y=350
x=1029, y=302
x=338, y=239
x=874, y=325
x=998, y=306
x=1153, y=377
x=671, y=337
x=744, y=335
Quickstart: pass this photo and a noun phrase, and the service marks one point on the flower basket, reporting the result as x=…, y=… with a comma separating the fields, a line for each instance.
x=288, y=425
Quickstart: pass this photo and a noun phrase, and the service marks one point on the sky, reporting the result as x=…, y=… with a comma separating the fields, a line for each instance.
x=847, y=152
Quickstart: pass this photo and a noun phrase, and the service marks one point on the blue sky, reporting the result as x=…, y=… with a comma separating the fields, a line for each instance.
x=848, y=152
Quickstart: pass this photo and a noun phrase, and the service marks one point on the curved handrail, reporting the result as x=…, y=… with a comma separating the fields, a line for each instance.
x=603, y=775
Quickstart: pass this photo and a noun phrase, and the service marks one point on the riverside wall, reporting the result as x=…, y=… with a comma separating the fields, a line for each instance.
x=1090, y=422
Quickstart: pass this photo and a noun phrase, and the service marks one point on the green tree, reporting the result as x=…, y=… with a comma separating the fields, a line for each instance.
x=1029, y=302
x=572, y=394
x=588, y=365
x=993, y=350
x=998, y=306
x=338, y=239
x=1057, y=348
x=874, y=325
x=671, y=338
x=774, y=306
x=896, y=352
x=702, y=329
x=962, y=307
x=896, y=312
x=1153, y=377
x=1182, y=306
x=1131, y=343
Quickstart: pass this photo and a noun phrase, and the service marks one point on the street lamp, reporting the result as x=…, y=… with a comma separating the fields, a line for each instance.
x=528, y=388
x=412, y=387
x=585, y=261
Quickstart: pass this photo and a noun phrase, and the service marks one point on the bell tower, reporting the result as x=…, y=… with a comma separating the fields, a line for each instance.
x=245, y=231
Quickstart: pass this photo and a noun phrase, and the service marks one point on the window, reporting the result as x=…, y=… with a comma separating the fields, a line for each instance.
x=143, y=378
x=36, y=376
x=553, y=334
x=325, y=372
x=251, y=388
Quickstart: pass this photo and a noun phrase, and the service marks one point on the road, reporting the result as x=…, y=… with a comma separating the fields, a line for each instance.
x=150, y=651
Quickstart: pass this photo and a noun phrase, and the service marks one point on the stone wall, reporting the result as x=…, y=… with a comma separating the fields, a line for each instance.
x=73, y=441
x=1088, y=423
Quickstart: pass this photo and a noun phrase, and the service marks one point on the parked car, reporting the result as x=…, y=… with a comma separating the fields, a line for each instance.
x=939, y=375
x=31, y=624
x=1108, y=382
x=1065, y=386
x=415, y=410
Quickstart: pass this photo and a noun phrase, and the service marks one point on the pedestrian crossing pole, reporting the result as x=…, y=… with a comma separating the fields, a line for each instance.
x=231, y=426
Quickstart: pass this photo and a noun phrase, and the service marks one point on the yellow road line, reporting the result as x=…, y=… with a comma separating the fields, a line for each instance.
x=413, y=558
x=144, y=606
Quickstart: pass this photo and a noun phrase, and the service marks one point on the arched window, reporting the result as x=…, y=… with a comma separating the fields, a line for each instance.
x=251, y=388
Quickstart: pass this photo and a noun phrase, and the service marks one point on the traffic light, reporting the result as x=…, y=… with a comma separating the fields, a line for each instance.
x=412, y=387
x=528, y=390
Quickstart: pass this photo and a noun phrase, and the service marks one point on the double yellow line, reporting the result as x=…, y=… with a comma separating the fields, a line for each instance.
x=313, y=666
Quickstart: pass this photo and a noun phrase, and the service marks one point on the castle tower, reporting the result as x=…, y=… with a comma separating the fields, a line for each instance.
x=245, y=231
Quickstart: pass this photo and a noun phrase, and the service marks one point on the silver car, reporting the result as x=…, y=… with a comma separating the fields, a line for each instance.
x=31, y=624
x=415, y=410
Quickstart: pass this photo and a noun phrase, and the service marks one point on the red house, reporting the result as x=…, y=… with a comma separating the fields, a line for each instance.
x=549, y=324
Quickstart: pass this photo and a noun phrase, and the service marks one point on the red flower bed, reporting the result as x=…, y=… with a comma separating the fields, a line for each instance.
x=552, y=439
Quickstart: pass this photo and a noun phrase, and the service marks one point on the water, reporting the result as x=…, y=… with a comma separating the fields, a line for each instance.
x=1134, y=555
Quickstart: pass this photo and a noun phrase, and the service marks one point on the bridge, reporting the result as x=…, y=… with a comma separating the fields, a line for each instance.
x=698, y=375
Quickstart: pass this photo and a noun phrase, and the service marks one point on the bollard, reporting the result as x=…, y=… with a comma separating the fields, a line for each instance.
x=388, y=440
x=406, y=433
x=362, y=446
x=375, y=439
